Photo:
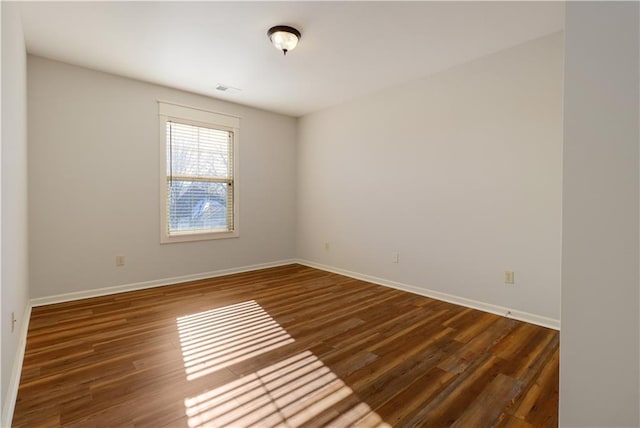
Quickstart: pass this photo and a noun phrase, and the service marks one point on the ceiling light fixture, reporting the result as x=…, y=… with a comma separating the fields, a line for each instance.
x=284, y=38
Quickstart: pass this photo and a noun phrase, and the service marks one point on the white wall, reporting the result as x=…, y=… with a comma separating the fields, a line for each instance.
x=14, y=264
x=460, y=172
x=599, y=375
x=93, y=183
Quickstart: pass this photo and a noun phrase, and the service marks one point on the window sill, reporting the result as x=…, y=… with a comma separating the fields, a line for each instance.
x=190, y=237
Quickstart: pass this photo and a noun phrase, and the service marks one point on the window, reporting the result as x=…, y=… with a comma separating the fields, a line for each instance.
x=198, y=163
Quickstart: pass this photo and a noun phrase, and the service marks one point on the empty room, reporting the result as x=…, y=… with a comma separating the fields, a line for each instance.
x=374, y=214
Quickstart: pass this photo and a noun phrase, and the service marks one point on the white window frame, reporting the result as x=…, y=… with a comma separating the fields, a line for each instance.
x=179, y=113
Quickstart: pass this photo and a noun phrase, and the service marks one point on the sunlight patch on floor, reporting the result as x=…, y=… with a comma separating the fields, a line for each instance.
x=289, y=393
x=215, y=339
x=294, y=391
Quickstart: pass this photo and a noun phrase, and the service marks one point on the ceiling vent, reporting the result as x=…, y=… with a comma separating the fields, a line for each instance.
x=226, y=88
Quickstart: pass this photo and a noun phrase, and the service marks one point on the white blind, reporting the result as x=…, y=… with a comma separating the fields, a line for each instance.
x=199, y=178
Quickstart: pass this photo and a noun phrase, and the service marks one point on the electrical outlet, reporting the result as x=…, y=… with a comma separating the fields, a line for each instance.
x=13, y=321
x=120, y=260
x=326, y=246
x=508, y=277
x=395, y=257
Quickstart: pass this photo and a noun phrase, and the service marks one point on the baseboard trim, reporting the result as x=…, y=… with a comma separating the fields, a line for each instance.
x=16, y=371
x=470, y=303
x=68, y=297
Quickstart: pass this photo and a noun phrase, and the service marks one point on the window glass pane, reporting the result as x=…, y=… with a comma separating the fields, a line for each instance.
x=196, y=205
x=197, y=151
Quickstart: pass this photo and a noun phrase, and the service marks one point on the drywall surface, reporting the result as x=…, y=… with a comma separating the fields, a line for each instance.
x=599, y=376
x=459, y=173
x=15, y=283
x=94, y=183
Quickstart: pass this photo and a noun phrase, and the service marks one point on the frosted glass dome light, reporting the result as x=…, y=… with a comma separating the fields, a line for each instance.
x=284, y=38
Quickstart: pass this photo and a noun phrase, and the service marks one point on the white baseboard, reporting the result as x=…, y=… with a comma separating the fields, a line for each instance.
x=67, y=297
x=16, y=371
x=486, y=307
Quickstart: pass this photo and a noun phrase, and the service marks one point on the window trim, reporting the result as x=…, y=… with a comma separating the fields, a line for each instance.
x=194, y=116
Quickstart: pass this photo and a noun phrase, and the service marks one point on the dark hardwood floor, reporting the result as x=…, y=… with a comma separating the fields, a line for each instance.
x=288, y=346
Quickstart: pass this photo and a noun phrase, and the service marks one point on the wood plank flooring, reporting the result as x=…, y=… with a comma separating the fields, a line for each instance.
x=287, y=346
